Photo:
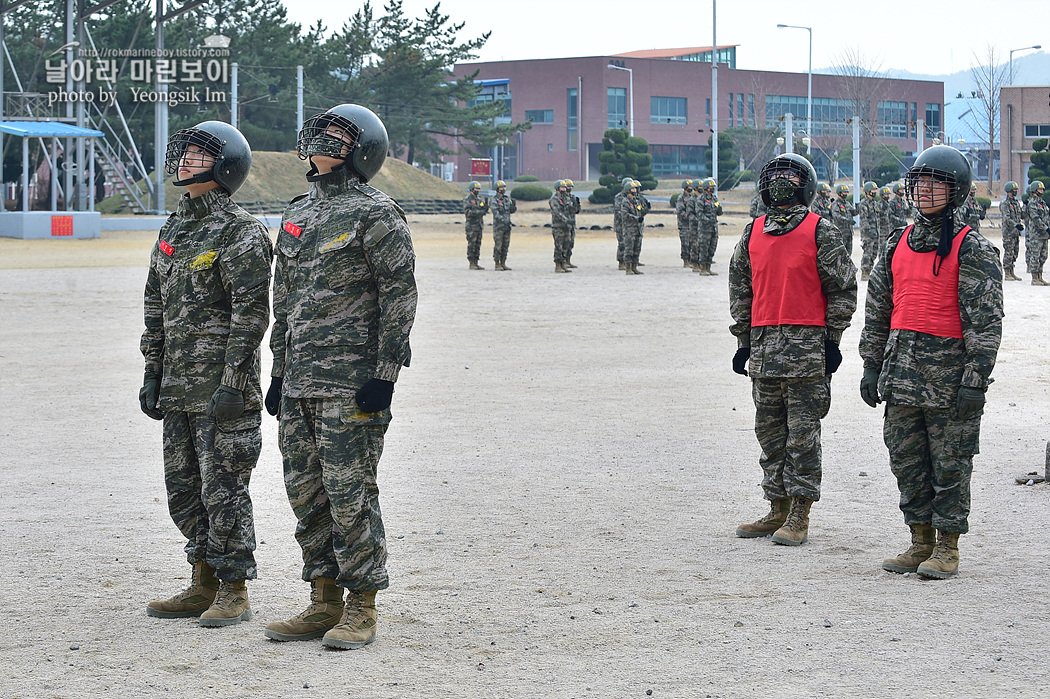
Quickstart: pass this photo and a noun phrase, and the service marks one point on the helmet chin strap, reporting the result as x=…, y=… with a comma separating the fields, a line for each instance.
x=312, y=175
x=199, y=178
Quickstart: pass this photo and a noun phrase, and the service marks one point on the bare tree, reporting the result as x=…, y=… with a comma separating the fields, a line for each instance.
x=983, y=116
x=862, y=84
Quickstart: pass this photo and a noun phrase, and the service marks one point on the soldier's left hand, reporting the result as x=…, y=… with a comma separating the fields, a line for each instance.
x=226, y=403
x=970, y=402
x=832, y=357
x=375, y=395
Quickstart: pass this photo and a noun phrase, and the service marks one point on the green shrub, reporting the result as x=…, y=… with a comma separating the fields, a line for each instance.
x=530, y=192
x=747, y=175
x=526, y=178
x=602, y=195
x=674, y=199
x=985, y=202
x=1040, y=144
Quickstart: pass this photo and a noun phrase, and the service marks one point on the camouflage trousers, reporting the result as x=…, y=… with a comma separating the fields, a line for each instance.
x=207, y=466
x=474, y=233
x=847, y=240
x=572, y=241
x=500, y=242
x=1011, y=244
x=869, y=243
x=707, y=242
x=619, y=242
x=685, y=237
x=787, y=423
x=931, y=455
x=632, y=243
x=331, y=454
x=1035, y=252
x=562, y=243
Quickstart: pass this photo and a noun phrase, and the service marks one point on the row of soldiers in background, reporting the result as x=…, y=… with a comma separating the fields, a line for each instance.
x=564, y=207
x=629, y=209
x=475, y=206
x=1033, y=214
x=698, y=211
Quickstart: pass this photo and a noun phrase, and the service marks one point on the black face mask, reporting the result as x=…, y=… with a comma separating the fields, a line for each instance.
x=783, y=191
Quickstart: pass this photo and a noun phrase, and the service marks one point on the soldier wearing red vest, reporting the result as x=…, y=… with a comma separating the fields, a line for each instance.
x=792, y=292
x=933, y=320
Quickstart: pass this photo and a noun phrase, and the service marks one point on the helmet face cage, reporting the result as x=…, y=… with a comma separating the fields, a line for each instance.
x=911, y=184
x=783, y=168
x=315, y=138
x=182, y=139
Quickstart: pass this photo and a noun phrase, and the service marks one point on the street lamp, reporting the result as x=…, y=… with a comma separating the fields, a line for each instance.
x=809, y=87
x=1026, y=48
x=630, y=94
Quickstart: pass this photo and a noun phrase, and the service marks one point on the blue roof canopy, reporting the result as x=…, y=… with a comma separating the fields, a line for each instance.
x=46, y=129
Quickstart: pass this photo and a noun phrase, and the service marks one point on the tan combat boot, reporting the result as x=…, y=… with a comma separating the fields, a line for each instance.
x=474, y=265
x=496, y=266
x=923, y=539
x=503, y=265
x=357, y=628
x=1008, y=275
x=774, y=519
x=569, y=264
x=864, y=275
x=634, y=268
x=193, y=600
x=231, y=605
x=796, y=528
x=621, y=266
x=944, y=563
x=710, y=272
x=324, y=612
x=1037, y=280
x=686, y=263
x=559, y=267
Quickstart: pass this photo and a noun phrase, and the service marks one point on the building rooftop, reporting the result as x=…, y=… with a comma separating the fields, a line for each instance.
x=672, y=53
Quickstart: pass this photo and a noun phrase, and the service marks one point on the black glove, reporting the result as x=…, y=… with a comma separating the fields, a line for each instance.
x=970, y=402
x=1019, y=228
x=832, y=357
x=375, y=395
x=273, y=396
x=148, y=396
x=740, y=360
x=226, y=403
x=869, y=387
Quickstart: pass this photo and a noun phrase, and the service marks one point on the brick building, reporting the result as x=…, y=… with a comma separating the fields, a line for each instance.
x=1024, y=116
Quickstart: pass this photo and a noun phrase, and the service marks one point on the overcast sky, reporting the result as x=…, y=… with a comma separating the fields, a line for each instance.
x=594, y=27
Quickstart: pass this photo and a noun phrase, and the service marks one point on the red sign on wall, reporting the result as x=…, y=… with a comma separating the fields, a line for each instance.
x=481, y=167
x=61, y=225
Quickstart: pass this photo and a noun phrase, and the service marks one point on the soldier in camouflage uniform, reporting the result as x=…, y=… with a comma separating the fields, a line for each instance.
x=572, y=224
x=686, y=219
x=869, y=228
x=1012, y=213
x=1037, y=216
x=933, y=321
x=885, y=209
x=618, y=223
x=633, y=209
x=563, y=224
x=206, y=310
x=502, y=207
x=822, y=203
x=900, y=210
x=344, y=303
x=842, y=212
x=971, y=213
x=757, y=208
x=708, y=209
x=792, y=292
x=475, y=206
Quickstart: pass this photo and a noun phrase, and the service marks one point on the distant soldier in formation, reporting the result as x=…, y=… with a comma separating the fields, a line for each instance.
x=842, y=212
x=475, y=207
x=822, y=203
x=971, y=213
x=1012, y=212
x=502, y=207
x=708, y=210
x=932, y=327
x=633, y=208
x=572, y=222
x=683, y=209
x=901, y=209
x=563, y=224
x=757, y=208
x=869, y=228
x=792, y=292
x=1037, y=216
x=618, y=221
x=885, y=219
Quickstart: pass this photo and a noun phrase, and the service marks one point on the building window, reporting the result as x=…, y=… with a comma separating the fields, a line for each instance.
x=617, y=107
x=667, y=110
x=740, y=109
x=892, y=119
x=540, y=116
x=707, y=109
x=933, y=117
x=678, y=161
x=1036, y=130
x=729, y=114
x=914, y=116
x=830, y=116
x=750, y=110
x=570, y=110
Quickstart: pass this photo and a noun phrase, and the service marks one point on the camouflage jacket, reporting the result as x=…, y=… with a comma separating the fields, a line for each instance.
x=475, y=206
x=206, y=303
x=757, y=208
x=868, y=209
x=925, y=370
x=842, y=213
x=793, y=351
x=632, y=212
x=563, y=209
x=683, y=208
x=617, y=221
x=970, y=214
x=502, y=207
x=344, y=296
x=1012, y=212
x=821, y=206
x=708, y=209
x=885, y=210
x=900, y=210
x=1037, y=217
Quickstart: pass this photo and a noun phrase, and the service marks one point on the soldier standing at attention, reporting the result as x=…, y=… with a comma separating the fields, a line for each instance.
x=757, y=208
x=475, y=207
x=1037, y=215
x=1012, y=213
x=708, y=210
x=885, y=208
x=502, y=207
x=632, y=218
x=822, y=203
x=971, y=213
x=932, y=325
x=684, y=211
x=344, y=302
x=900, y=209
x=206, y=310
x=792, y=292
x=562, y=218
x=869, y=229
x=572, y=223
x=618, y=222
x=842, y=212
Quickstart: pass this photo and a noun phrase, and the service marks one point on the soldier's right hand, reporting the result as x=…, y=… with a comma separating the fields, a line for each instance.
x=273, y=397
x=740, y=360
x=1019, y=228
x=869, y=387
x=148, y=396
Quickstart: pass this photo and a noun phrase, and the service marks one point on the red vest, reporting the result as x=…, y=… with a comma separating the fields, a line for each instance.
x=784, y=277
x=922, y=301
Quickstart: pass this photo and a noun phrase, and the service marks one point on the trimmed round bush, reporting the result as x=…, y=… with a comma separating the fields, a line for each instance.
x=526, y=178
x=601, y=195
x=530, y=192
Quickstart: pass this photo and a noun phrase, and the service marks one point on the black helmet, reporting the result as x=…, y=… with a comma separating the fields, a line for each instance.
x=802, y=193
x=944, y=164
x=362, y=132
x=233, y=156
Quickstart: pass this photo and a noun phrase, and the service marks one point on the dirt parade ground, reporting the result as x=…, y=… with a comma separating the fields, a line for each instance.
x=569, y=457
